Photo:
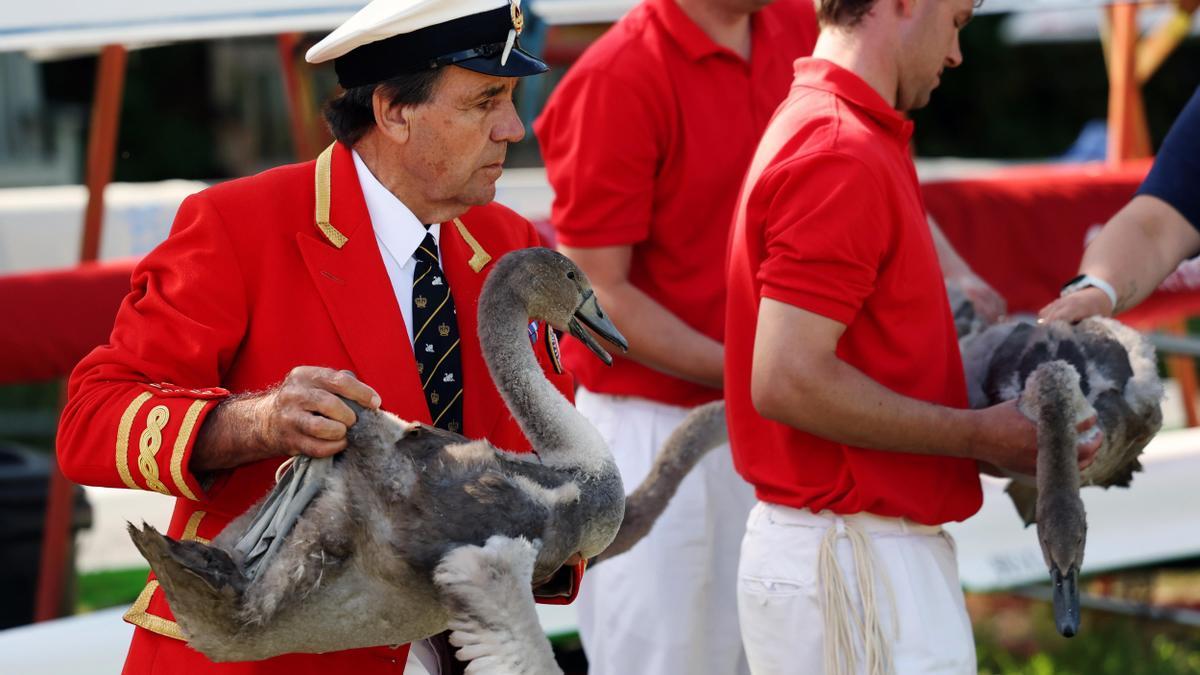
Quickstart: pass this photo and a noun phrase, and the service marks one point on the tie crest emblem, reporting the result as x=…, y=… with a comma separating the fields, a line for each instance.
x=443, y=330
x=434, y=398
x=420, y=301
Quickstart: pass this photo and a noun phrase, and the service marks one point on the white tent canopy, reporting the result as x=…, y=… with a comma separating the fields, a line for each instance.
x=71, y=24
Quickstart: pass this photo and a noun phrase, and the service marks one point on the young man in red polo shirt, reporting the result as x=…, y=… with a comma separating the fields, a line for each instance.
x=646, y=140
x=843, y=377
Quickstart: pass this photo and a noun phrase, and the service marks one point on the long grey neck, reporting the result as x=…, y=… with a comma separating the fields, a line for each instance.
x=560, y=435
x=1058, y=401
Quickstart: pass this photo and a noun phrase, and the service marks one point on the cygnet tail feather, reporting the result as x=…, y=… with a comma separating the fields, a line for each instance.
x=203, y=584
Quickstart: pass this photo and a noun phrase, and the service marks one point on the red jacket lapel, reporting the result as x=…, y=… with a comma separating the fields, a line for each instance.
x=357, y=292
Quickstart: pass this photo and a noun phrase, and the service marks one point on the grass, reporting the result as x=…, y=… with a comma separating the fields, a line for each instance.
x=1016, y=636
x=100, y=590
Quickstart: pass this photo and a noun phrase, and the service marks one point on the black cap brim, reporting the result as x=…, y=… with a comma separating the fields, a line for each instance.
x=520, y=64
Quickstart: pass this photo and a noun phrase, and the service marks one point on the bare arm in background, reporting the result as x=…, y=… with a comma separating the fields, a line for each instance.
x=990, y=304
x=1134, y=252
x=657, y=338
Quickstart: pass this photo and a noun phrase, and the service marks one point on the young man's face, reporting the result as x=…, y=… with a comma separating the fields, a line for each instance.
x=930, y=45
x=460, y=136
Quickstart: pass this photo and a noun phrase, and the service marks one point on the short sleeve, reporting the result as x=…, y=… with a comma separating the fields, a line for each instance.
x=1175, y=176
x=602, y=148
x=826, y=231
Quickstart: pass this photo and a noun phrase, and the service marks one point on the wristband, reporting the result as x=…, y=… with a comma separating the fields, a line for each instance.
x=1085, y=281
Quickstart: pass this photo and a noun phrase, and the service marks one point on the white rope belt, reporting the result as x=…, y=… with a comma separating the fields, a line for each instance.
x=843, y=618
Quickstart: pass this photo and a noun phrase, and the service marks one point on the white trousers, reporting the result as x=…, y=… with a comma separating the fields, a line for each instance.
x=915, y=593
x=668, y=605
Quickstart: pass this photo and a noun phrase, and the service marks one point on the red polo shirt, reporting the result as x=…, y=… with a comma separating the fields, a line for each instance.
x=646, y=140
x=830, y=220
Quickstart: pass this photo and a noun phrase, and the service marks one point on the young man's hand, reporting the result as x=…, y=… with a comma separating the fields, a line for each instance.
x=1007, y=439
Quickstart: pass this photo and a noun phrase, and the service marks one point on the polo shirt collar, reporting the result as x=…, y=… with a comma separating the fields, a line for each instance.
x=828, y=76
x=691, y=38
x=695, y=43
x=397, y=228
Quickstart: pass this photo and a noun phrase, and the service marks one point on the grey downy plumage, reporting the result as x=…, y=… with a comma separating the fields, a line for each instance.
x=1063, y=374
x=414, y=529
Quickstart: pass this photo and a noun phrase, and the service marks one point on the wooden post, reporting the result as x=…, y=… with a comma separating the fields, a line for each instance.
x=299, y=105
x=1158, y=45
x=102, y=141
x=1183, y=370
x=1127, y=135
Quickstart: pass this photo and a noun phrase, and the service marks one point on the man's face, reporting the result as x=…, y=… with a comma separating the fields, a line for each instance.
x=929, y=45
x=459, y=137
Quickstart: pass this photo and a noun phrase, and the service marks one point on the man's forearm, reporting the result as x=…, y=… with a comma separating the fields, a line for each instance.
x=659, y=339
x=229, y=436
x=1138, y=248
x=836, y=401
x=952, y=264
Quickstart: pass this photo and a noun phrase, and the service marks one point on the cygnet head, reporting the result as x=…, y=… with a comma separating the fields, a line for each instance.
x=553, y=289
x=1062, y=533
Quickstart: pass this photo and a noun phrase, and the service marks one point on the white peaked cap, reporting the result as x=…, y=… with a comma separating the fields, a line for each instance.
x=390, y=37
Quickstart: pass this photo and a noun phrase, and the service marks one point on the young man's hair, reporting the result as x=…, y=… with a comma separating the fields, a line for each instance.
x=843, y=13
x=351, y=114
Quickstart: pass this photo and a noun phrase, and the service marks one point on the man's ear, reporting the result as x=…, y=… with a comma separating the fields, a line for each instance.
x=394, y=120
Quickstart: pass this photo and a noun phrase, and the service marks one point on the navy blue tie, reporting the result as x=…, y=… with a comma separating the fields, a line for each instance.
x=435, y=339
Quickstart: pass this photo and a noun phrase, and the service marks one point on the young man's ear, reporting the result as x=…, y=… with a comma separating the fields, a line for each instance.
x=394, y=120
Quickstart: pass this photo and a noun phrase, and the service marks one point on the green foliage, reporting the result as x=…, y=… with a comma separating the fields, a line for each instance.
x=1107, y=645
x=110, y=588
x=29, y=414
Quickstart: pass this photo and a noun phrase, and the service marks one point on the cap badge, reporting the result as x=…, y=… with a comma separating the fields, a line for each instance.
x=518, y=19
x=518, y=22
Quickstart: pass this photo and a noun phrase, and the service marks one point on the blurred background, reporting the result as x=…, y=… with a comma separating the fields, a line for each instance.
x=110, y=116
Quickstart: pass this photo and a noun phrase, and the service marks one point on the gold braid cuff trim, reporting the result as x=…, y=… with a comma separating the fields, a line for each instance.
x=149, y=444
x=138, y=616
x=181, y=443
x=479, y=257
x=123, y=439
x=324, y=162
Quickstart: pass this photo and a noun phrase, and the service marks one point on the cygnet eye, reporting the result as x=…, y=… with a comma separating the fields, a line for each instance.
x=570, y=275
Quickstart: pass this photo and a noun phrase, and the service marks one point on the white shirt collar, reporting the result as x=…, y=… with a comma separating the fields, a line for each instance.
x=395, y=225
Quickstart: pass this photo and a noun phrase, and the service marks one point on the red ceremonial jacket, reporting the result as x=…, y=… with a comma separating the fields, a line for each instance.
x=246, y=287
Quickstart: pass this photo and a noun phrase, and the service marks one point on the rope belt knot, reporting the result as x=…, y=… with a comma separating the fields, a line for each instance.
x=846, y=622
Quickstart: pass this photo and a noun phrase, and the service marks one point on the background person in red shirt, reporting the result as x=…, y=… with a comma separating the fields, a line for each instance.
x=645, y=141
x=843, y=377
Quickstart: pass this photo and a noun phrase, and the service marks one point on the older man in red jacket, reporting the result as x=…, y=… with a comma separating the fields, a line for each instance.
x=243, y=327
